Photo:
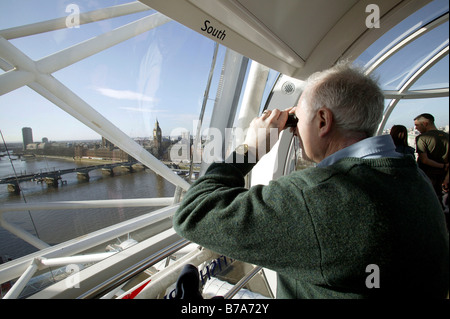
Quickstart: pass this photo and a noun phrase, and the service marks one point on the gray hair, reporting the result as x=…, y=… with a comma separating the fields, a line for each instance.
x=355, y=99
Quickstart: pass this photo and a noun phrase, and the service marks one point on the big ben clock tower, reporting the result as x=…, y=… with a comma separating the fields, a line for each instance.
x=157, y=138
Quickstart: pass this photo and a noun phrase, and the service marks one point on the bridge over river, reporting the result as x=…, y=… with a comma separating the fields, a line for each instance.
x=53, y=177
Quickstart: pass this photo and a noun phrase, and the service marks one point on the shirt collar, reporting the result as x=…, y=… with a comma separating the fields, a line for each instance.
x=372, y=147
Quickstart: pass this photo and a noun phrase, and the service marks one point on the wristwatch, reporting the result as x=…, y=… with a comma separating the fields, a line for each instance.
x=242, y=150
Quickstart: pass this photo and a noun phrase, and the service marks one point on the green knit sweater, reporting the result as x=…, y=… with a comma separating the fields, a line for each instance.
x=321, y=227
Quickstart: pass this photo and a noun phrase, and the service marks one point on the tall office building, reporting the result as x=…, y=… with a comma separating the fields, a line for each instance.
x=27, y=135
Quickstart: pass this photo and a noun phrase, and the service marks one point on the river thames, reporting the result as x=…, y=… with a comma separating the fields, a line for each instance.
x=56, y=226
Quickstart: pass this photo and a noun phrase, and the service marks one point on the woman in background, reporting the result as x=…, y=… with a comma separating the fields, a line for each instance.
x=400, y=136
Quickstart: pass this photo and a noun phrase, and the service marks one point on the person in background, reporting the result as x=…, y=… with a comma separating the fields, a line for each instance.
x=363, y=223
x=445, y=200
x=432, y=150
x=399, y=135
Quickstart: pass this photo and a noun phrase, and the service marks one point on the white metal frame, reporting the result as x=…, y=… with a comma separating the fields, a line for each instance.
x=17, y=267
x=410, y=81
x=379, y=60
x=36, y=242
x=85, y=17
x=403, y=92
x=37, y=75
x=97, y=279
x=20, y=71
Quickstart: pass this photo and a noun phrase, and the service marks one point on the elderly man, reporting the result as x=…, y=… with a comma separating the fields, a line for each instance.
x=364, y=223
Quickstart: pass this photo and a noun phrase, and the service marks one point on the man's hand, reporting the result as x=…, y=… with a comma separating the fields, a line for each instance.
x=264, y=131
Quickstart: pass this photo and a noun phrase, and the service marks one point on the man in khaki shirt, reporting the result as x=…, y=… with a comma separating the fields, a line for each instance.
x=432, y=149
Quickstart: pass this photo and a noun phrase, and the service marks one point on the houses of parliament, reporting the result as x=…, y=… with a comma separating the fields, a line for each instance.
x=105, y=150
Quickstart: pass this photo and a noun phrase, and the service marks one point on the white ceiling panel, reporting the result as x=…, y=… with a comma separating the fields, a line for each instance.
x=294, y=37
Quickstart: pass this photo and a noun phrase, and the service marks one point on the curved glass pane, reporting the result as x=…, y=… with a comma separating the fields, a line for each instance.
x=412, y=23
x=398, y=68
x=151, y=86
x=435, y=78
x=19, y=13
x=406, y=110
x=162, y=78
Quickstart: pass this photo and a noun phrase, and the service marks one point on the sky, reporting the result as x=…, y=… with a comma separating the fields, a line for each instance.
x=159, y=75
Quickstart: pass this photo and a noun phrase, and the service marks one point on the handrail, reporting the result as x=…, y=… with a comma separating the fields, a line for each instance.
x=120, y=278
x=166, y=277
x=15, y=268
x=141, y=202
x=43, y=263
x=109, y=269
x=22, y=281
x=241, y=283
